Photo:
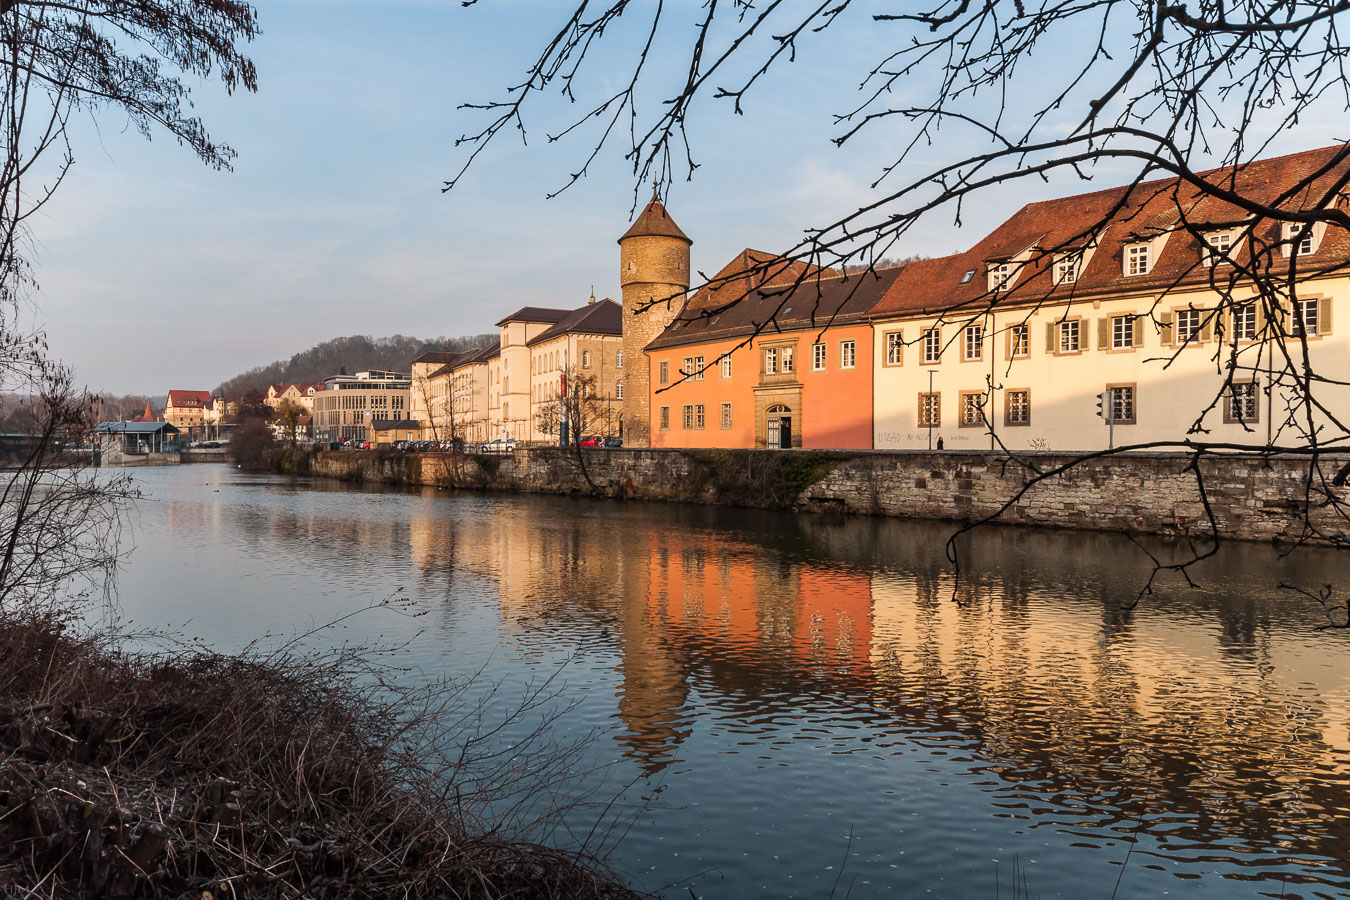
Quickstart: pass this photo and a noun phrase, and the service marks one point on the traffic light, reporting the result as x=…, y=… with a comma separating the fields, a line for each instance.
x=1101, y=405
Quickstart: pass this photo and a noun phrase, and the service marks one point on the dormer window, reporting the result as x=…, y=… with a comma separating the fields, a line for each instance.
x=1304, y=244
x=1066, y=268
x=1000, y=276
x=1137, y=259
x=1218, y=247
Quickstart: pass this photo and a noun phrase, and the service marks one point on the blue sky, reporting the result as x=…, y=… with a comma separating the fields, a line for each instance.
x=158, y=273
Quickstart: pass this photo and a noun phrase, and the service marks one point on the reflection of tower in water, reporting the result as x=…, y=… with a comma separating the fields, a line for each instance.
x=654, y=690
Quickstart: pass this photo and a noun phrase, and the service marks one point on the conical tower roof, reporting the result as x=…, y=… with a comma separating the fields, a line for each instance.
x=654, y=221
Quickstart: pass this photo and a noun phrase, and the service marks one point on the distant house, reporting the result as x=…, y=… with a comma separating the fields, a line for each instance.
x=387, y=431
x=186, y=410
x=299, y=392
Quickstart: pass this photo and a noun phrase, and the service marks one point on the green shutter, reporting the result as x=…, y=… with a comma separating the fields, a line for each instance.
x=1104, y=333
x=1165, y=328
x=1324, y=315
x=1207, y=325
x=1051, y=344
x=1138, y=331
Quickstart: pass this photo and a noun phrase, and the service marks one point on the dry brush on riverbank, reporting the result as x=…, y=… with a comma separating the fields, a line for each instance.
x=281, y=775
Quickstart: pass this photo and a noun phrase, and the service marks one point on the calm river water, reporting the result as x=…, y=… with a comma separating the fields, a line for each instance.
x=810, y=709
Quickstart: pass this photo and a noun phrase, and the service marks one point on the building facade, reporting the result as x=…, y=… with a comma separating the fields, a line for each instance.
x=186, y=410
x=300, y=393
x=347, y=407
x=750, y=362
x=1058, y=332
x=1121, y=317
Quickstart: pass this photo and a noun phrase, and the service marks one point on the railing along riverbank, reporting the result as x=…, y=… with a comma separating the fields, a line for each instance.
x=1248, y=496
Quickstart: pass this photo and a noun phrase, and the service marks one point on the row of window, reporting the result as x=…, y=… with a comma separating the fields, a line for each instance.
x=1123, y=332
x=694, y=417
x=777, y=361
x=1240, y=406
x=351, y=401
x=550, y=362
x=1139, y=258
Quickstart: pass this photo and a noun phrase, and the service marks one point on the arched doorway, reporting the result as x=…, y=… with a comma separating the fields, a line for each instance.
x=778, y=427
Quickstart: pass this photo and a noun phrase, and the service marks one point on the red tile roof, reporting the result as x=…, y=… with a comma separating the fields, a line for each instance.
x=776, y=295
x=189, y=398
x=654, y=221
x=1115, y=217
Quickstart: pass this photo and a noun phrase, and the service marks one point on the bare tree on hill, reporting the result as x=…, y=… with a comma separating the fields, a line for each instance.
x=1170, y=99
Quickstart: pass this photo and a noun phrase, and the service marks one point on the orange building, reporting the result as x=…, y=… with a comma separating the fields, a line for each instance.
x=773, y=354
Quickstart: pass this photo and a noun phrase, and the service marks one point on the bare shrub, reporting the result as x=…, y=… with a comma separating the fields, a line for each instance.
x=270, y=774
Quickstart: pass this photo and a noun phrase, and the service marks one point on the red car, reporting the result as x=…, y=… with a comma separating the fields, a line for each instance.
x=593, y=441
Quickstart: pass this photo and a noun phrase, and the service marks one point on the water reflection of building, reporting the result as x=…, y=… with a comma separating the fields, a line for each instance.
x=1068, y=704
x=1217, y=712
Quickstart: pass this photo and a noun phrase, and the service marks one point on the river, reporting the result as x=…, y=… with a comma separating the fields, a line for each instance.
x=801, y=698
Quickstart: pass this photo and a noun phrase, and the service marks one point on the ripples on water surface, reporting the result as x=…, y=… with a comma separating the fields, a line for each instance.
x=815, y=711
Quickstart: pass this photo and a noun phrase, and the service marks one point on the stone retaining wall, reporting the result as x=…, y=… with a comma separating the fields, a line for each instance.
x=1252, y=497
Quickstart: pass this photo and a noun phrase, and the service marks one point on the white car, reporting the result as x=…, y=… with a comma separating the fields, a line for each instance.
x=499, y=445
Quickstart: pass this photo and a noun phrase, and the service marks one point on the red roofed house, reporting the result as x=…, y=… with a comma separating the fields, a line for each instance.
x=721, y=377
x=1011, y=342
x=299, y=392
x=1115, y=293
x=186, y=410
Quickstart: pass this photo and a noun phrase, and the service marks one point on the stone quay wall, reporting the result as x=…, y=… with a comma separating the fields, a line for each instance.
x=1252, y=497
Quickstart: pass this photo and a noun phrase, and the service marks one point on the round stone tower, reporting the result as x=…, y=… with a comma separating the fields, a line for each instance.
x=654, y=276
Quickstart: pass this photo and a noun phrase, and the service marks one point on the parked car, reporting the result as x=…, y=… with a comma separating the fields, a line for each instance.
x=498, y=446
x=613, y=443
x=594, y=440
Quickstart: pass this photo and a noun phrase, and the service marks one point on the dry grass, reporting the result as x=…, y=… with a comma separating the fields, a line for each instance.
x=285, y=774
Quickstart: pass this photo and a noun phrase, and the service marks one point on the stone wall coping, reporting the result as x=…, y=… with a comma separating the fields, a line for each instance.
x=997, y=455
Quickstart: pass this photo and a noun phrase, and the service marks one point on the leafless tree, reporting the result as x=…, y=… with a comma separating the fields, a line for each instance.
x=288, y=414
x=1173, y=100
x=59, y=520
x=581, y=409
x=445, y=400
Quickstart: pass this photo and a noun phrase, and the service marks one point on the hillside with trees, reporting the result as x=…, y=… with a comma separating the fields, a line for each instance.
x=356, y=353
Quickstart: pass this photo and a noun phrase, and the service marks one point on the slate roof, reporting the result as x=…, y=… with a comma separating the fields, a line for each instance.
x=1040, y=231
x=535, y=314
x=469, y=357
x=437, y=356
x=604, y=317
x=395, y=424
x=134, y=428
x=654, y=221
x=781, y=303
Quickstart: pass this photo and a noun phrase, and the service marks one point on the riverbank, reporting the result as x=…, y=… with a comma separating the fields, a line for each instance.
x=1249, y=496
x=126, y=775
